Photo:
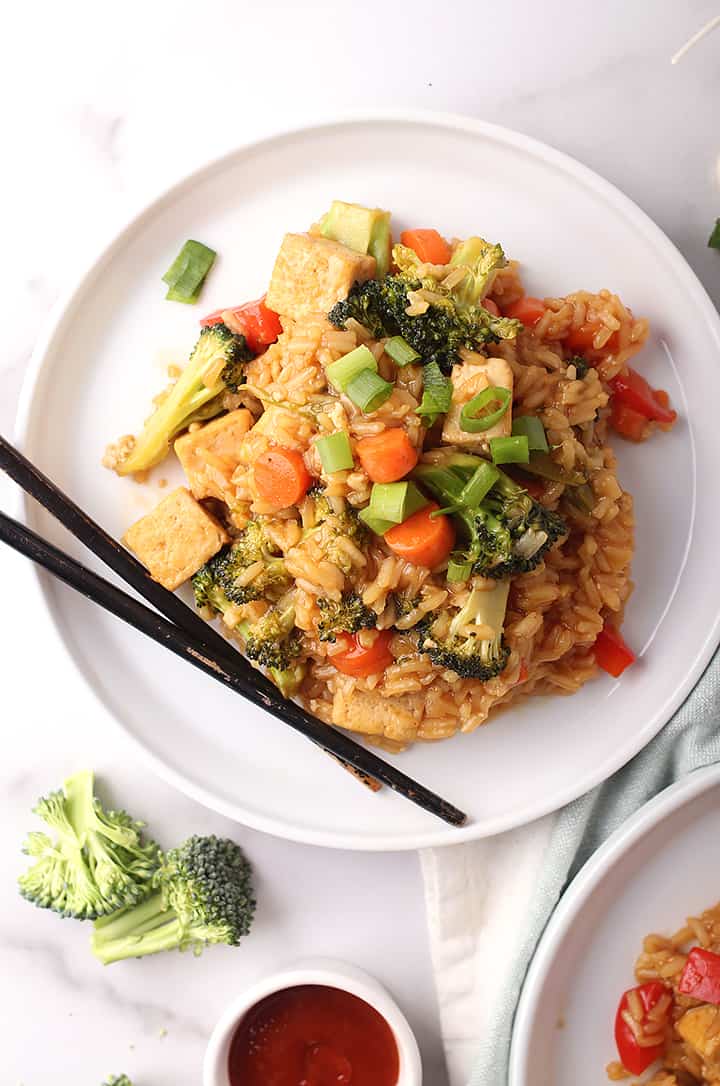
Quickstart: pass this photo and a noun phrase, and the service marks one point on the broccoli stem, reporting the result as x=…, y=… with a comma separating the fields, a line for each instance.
x=148, y=928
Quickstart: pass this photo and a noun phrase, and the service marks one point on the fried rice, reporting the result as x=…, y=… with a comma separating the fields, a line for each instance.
x=555, y=612
x=675, y=1034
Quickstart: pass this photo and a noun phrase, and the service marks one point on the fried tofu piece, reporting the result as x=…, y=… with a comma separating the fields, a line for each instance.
x=370, y=713
x=210, y=455
x=312, y=273
x=470, y=378
x=699, y=1028
x=176, y=539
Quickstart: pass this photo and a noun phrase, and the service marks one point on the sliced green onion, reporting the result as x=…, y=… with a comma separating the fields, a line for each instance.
x=395, y=501
x=375, y=524
x=458, y=569
x=335, y=452
x=714, y=239
x=400, y=351
x=437, y=394
x=368, y=391
x=476, y=416
x=187, y=273
x=582, y=497
x=342, y=372
x=533, y=430
x=509, y=450
x=481, y=482
x=544, y=467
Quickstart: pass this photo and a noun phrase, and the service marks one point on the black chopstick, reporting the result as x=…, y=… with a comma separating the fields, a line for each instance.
x=133, y=572
x=222, y=664
x=159, y=629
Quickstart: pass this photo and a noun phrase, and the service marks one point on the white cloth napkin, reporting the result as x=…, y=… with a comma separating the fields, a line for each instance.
x=478, y=897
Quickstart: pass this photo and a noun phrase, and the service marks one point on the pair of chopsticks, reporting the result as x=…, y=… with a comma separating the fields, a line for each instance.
x=181, y=630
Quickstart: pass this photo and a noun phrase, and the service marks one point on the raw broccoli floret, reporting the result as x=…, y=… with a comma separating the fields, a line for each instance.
x=97, y=861
x=460, y=642
x=204, y=895
x=217, y=584
x=437, y=334
x=273, y=641
x=507, y=533
x=216, y=366
x=347, y=615
x=117, y=1080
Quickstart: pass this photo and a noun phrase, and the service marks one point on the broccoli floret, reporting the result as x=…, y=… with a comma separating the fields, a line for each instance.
x=289, y=680
x=332, y=528
x=273, y=641
x=347, y=615
x=97, y=862
x=482, y=261
x=437, y=335
x=216, y=366
x=532, y=528
x=460, y=642
x=508, y=532
x=218, y=585
x=118, y=1080
x=204, y=895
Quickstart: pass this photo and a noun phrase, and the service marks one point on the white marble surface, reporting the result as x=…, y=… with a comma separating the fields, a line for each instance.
x=102, y=107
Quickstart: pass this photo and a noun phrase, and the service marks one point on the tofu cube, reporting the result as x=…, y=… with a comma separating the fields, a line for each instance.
x=176, y=539
x=370, y=713
x=210, y=455
x=312, y=273
x=469, y=379
x=698, y=1028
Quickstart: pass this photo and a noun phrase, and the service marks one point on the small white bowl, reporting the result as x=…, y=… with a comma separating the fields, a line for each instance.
x=331, y=974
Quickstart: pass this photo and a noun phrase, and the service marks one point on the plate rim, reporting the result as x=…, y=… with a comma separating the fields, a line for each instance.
x=647, y=818
x=39, y=362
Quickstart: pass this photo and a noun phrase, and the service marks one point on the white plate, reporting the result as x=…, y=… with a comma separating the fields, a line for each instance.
x=104, y=357
x=652, y=873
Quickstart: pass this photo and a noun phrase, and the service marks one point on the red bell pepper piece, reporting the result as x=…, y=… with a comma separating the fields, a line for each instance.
x=611, y=652
x=634, y=391
x=627, y=422
x=582, y=338
x=261, y=326
x=701, y=976
x=527, y=310
x=633, y=1056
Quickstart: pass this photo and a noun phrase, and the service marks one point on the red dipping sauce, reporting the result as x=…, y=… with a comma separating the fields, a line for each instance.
x=313, y=1035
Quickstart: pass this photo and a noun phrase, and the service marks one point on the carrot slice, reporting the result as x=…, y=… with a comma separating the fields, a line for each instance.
x=491, y=306
x=527, y=310
x=430, y=246
x=281, y=477
x=360, y=660
x=388, y=456
x=422, y=539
